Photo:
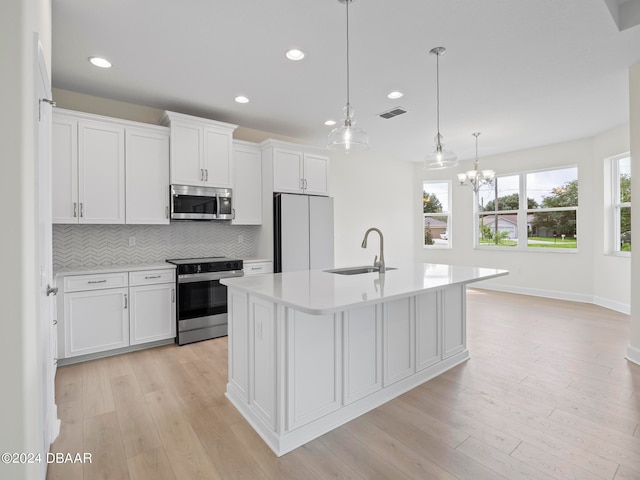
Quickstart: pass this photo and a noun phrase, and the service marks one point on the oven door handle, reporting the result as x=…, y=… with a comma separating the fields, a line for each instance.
x=204, y=277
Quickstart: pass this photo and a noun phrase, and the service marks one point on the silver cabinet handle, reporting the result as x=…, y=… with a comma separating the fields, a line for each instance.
x=202, y=174
x=91, y=282
x=55, y=322
x=256, y=268
x=126, y=301
x=52, y=291
x=302, y=184
x=152, y=277
x=233, y=213
x=305, y=183
x=206, y=174
x=173, y=295
x=81, y=209
x=75, y=209
x=166, y=212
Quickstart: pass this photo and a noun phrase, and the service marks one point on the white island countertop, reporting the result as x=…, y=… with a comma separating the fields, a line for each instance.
x=319, y=292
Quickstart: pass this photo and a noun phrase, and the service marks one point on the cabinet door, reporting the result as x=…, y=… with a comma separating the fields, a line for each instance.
x=101, y=172
x=147, y=155
x=96, y=321
x=316, y=174
x=287, y=171
x=218, y=155
x=247, y=186
x=64, y=170
x=153, y=313
x=186, y=154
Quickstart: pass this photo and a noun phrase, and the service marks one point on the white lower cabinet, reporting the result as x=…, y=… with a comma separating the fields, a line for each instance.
x=96, y=320
x=103, y=312
x=152, y=314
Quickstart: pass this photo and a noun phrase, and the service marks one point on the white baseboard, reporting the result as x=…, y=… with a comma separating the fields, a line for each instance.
x=611, y=305
x=633, y=354
x=571, y=297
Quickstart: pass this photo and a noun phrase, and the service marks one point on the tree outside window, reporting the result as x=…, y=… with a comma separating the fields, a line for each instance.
x=436, y=214
x=622, y=203
x=530, y=210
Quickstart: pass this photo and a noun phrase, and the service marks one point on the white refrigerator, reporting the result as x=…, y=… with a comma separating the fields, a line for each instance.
x=303, y=232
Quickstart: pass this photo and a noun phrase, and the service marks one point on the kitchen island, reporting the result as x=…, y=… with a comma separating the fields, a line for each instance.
x=311, y=350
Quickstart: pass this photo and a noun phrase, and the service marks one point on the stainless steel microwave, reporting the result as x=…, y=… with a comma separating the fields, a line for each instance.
x=201, y=203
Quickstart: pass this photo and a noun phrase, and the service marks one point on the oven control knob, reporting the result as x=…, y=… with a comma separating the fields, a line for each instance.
x=228, y=265
x=211, y=268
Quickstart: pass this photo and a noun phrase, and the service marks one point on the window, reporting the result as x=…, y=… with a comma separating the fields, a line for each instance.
x=436, y=212
x=622, y=203
x=530, y=210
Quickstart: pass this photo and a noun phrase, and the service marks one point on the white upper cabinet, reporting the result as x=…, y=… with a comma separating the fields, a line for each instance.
x=201, y=151
x=64, y=174
x=101, y=188
x=247, y=184
x=297, y=168
x=91, y=158
x=87, y=170
x=147, y=158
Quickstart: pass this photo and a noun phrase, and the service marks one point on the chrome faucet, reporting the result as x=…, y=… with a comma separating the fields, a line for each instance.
x=376, y=263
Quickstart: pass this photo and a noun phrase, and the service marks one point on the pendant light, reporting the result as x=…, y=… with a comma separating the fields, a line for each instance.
x=476, y=178
x=439, y=158
x=348, y=137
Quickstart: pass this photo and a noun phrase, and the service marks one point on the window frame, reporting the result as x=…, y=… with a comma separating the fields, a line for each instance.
x=616, y=204
x=522, y=214
x=448, y=214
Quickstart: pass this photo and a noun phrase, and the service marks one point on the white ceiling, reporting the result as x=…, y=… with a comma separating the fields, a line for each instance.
x=522, y=72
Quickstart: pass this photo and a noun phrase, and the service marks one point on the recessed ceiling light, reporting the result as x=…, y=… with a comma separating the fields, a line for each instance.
x=241, y=99
x=330, y=122
x=100, y=62
x=294, y=54
x=394, y=95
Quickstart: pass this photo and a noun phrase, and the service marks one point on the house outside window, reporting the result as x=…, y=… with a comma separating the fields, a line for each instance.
x=621, y=190
x=436, y=201
x=530, y=210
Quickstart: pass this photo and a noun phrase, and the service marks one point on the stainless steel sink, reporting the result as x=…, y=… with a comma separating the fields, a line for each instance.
x=356, y=270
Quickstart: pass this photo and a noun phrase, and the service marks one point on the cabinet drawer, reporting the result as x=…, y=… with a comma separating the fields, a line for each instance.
x=257, y=268
x=149, y=277
x=78, y=283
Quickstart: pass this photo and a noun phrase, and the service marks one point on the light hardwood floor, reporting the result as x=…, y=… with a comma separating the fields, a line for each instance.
x=547, y=394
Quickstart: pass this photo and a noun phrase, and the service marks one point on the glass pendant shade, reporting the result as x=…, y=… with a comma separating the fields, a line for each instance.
x=440, y=158
x=347, y=136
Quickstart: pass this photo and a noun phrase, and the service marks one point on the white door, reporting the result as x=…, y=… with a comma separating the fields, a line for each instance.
x=101, y=172
x=152, y=315
x=287, y=171
x=217, y=158
x=294, y=232
x=316, y=174
x=247, y=186
x=46, y=330
x=186, y=154
x=320, y=233
x=147, y=194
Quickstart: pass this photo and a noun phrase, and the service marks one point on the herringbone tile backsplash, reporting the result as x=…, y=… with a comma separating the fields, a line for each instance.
x=93, y=245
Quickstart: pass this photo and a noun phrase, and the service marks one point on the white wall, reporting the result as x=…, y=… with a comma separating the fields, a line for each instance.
x=562, y=275
x=19, y=413
x=612, y=274
x=371, y=191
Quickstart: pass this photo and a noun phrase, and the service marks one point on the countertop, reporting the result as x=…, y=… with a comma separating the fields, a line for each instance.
x=63, y=272
x=318, y=292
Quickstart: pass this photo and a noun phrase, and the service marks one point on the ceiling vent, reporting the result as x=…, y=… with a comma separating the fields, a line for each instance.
x=394, y=112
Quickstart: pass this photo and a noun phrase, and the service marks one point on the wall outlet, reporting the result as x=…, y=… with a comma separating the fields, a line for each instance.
x=132, y=241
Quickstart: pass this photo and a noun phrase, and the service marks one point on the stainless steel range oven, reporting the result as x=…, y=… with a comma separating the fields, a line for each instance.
x=202, y=299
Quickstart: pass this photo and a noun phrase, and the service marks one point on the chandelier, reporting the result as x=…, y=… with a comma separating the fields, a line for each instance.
x=476, y=178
